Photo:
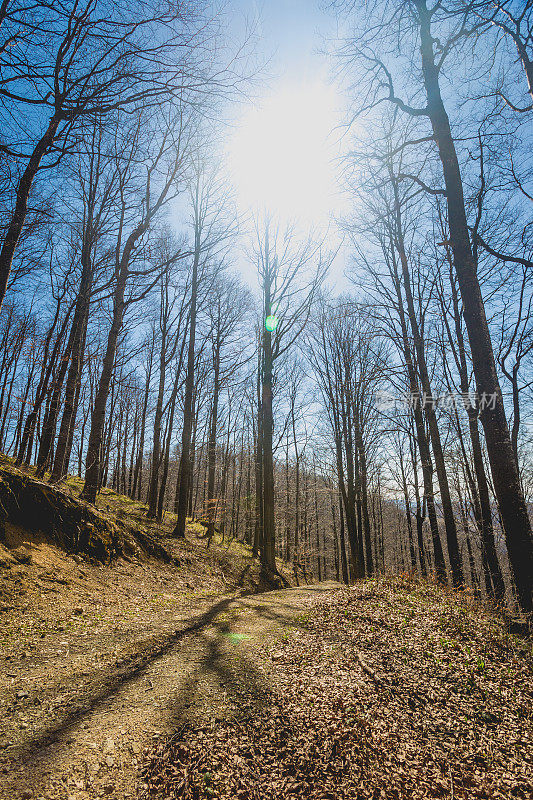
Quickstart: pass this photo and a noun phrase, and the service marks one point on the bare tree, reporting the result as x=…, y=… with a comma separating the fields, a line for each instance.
x=228, y=311
x=438, y=36
x=348, y=359
x=173, y=326
x=64, y=63
x=212, y=228
x=160, y=186
x=289, y=276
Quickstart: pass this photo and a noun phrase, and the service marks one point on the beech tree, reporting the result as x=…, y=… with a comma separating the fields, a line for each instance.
x=349, y=361
x=211, y=232
x=173, y=320
x=140, y=203
x=62, y=64
x=290, y=275
x=229, y=310
x=439, y=35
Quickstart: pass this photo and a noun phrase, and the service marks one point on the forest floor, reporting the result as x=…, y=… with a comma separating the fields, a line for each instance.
x=171, y=679
x=96, y=658
x=83, y=698
x=391, y=689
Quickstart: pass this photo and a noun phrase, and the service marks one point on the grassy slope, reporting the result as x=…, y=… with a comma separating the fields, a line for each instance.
x=49, y=522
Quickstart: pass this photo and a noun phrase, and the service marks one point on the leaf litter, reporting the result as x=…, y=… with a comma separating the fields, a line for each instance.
x=394, y=689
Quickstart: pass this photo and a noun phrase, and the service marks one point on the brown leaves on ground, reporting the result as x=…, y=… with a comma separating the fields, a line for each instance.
x=395, y=689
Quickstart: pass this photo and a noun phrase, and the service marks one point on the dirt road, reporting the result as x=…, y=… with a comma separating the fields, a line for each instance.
x=86, y=733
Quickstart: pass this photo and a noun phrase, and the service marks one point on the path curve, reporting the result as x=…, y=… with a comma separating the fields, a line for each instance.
x=198, y=671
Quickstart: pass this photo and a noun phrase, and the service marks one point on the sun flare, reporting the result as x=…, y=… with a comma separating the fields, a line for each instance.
x=282, y=155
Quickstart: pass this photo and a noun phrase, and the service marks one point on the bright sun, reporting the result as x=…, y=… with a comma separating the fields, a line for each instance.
x=282, y=155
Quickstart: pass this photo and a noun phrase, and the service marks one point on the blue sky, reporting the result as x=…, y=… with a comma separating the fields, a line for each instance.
x=291, y=35
x=291, y=31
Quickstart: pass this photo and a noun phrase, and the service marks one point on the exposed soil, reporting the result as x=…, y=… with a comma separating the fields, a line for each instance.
x=102, y=645
x=393, y=689
x=177, y=677
x=105, y=657
x=396, y=690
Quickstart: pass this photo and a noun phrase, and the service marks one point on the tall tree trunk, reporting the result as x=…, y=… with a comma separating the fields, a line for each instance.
x=212, y=450
x=20, y=211
x=336, y=549
x=348, y=502
x=423, y=444
x=287, y=549
x=49, y=424
x=296, y=489
x=49, y=362
x=485, y=511
x=166, y=460
x=431, y=416
x=93, y=458
x=268, y=557
x=79, y=325
x=156, y=447
x=185, y=471
x=317, y=528
x=364, y=500
x=504, y=467
x=408, y=514
x=342, y=544
x=70, y=404
x=192, y=461
x=258, y=457
x=137, y=474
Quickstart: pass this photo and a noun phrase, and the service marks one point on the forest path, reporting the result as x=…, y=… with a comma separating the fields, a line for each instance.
x=102, y=720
